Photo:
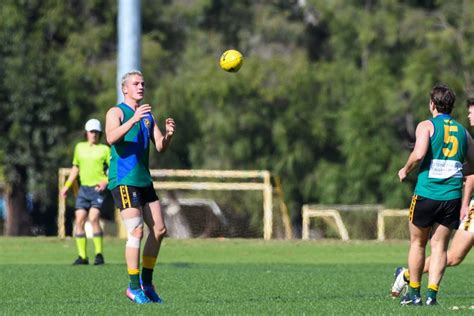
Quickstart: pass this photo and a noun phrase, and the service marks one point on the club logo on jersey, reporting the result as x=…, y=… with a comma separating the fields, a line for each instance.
x=147, y=122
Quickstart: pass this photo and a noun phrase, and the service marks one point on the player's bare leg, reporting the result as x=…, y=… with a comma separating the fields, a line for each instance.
x=154, y=220
x=461, y=244
x=416, y=261
x=439, y=247
x=132, y=218
x=416, y=255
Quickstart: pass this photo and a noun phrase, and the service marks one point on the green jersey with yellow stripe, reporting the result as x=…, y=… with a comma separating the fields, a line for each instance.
x=440, y=175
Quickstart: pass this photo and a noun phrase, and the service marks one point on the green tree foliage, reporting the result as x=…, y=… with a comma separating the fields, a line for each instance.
x=45, y=93
x=327, y=99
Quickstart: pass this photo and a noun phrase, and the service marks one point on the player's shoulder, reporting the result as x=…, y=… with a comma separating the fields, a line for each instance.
x=426, y=124
x=115, y=109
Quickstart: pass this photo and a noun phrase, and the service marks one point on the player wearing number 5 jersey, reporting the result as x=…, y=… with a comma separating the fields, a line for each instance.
x=463, y=238
x=442, y=145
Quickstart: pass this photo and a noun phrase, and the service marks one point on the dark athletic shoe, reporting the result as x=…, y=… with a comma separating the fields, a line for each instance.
x=99, y=259
x=431, y=301
x=150, y=292
x=80, y=261
x=408, y=300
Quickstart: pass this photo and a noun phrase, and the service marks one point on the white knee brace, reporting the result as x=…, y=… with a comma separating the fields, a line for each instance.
x=131, y=224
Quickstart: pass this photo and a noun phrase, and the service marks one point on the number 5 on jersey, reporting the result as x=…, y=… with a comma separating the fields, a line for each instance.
x=450, y=139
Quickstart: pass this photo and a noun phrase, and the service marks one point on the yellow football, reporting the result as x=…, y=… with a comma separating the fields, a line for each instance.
x=231, y=60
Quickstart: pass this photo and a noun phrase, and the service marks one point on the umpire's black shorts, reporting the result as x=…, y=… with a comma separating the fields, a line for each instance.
x=424, y=212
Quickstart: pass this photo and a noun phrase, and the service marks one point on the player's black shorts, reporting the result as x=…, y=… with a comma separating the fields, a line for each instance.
x=425, y=212
x=88, y=197
x=127, y=196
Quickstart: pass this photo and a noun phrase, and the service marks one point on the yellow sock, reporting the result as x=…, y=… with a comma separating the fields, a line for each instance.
x=81, y=243
x=98, y=243
x=406, y=275
x=415, y=285
x=133, y=271
x=149, y=262
x=434, y=287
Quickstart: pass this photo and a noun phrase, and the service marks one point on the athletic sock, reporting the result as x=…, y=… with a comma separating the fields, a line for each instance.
x=406, y=276
x=414, y=289
x=147, y=270
x=134, y=275
x=98, y=243
x=432, y=290
x=81, y=243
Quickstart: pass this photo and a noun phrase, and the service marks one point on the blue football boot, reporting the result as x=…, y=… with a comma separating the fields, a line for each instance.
x=150, y=292
x=137, y=296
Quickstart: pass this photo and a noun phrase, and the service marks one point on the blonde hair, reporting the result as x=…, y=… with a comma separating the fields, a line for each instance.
x=128, y=75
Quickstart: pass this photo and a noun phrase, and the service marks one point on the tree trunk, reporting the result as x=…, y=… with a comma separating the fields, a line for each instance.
x=18, y=221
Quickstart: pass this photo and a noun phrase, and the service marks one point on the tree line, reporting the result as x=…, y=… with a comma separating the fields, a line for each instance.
x=327, y=98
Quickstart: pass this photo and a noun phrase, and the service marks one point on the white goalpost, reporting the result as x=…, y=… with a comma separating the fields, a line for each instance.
x=241, y=180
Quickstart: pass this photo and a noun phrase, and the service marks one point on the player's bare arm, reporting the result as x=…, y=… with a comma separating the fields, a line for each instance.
x=466, y=196
x=114, y=131
x=163, y=141
x=423, y=132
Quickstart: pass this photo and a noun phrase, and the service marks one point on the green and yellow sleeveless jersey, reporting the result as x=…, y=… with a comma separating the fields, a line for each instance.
x=440, y=175
x=129, y=163
x=92, y=160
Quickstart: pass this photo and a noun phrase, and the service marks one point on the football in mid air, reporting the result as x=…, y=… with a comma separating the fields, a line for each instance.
x=231, y=60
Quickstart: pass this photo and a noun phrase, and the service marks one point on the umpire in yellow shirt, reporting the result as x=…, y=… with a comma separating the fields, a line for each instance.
x=90, y=162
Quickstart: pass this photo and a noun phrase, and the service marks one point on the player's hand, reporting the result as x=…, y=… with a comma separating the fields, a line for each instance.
x=63, y=192
x=170, y=127
x=464, y=211
x=141, y=112
x=101, y=186
x=402, y=174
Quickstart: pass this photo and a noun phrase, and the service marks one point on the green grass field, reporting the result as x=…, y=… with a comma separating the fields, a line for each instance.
x=231, y=276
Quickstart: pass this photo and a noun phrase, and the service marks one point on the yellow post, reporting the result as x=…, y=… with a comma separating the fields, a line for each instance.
x=61, y=205
x=267, y=207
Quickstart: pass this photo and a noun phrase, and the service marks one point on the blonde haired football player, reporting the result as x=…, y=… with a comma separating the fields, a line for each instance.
x=131, y=130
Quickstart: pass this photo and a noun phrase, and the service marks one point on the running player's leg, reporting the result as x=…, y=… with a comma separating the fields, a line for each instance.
x=153, y=217
x=460, y=246
x=416, y=259
x=80, y=236
x=416, y=255
x=439, y=247
x=94, y=219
